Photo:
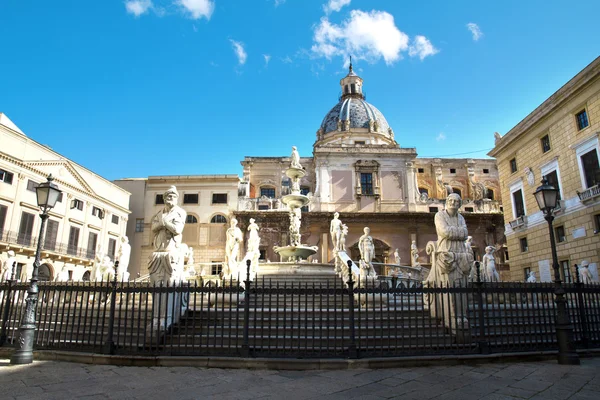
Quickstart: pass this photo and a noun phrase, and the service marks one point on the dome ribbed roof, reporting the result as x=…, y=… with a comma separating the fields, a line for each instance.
x=358, y=111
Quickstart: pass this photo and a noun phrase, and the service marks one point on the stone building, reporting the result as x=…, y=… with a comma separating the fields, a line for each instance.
x=208, y=201
x=91, y=211
x=558, y=140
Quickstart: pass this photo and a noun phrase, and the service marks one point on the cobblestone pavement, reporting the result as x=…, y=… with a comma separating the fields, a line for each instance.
x=537, y=380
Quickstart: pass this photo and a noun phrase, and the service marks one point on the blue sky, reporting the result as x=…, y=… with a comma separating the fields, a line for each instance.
x=177, y=87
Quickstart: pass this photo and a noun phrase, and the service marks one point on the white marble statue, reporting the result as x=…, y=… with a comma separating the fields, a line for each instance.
x=397, y=257
x=335, y=229
x=414, y=254
x=531, y=278
x=489, y=265
x=367, y=252
x=106, y=269
x=530, y=176
x=232, y=249
x=96, y=274
x=166, y=262
x=469, y=243
x=342, y=243
x=451, y=264
x=63, y=275
x=123, y=256
x=294, y=229
x=8, y=265
x=253, y=238
x=295, y=163
x=187, y=256
x=585, y=275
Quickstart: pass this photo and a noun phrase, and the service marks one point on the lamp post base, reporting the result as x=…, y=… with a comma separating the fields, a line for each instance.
x=24, y=353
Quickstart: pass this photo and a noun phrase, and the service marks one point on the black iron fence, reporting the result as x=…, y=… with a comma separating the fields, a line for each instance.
x=299, y=319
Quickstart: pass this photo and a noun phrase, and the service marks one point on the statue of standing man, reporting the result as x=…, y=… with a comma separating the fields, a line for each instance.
x=335, y=229
x=295, y=158
x=166, y=263
x=232, y=249
x=367, y=252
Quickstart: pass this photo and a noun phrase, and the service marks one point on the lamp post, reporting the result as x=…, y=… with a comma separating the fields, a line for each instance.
x=47, y=194
x=546, y=197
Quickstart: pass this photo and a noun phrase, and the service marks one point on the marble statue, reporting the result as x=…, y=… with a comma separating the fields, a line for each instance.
x=342, y=243
x=531, y=278
x=123, y=256
x=451, y=264
x=335, y=229
x=497, y=137
x=187, y=256
x=489, y=265
x=585, y=275
x=367, y=252
x=166, y=262
x=469, y=243
x=295, y=222
x=63, y=275
x=346, y=125
x=295, y=163
x=396, y=257
x=106, y=269
x=96, y=274
x=232, y=249
x=8, y=265
x=339, y=125
x=530, y=176
x=371, y=125
x=253, y=238
x=414, y=254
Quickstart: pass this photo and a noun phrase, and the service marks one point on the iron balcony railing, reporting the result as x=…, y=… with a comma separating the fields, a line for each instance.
x=589, y=193
x=30, y=242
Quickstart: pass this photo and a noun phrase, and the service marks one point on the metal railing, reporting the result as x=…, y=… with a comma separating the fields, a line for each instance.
x=30, y=241
x=267, y=318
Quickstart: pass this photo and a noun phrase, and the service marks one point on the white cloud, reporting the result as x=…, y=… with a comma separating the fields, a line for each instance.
x=335, y=5
x=238, y=48
x=474, y=28
x=365, y=35
x=441, y=137
x=197, y=8
x=421, y=47
x=287, y=60
x=138, y=7
x=279, y=2
x=267, y=58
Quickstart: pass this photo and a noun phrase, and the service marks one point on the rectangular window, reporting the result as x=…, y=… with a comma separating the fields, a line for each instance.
x=566, y=271
x=26, y=229
x=6, y=177
x=526, y=272
x=523, y=243
x=452, y=170
x=76, y=203
x=31, y=185
x=60, y=197
x=190, y=198
x=433, y=209
x=51, y=235
x=91, y=246
x=115, y=219
x=73, y=240
x=582, y=120
x=361, y=142
x=545, y=142
x=159, y=199
x=518, y=203
x=559, y=232
x=552, y=178
x=263, y=254
x=596, y=222
x=215, y=269
x=591, y=169
x=513, y=165
x=112, y=248
x=221, y=198
x=97, y=212
x=366, y=183
x=469, y=209
x=486, y=171
x=139, y=224
x=353, y=87
x=3, y=212
x=421, y=170
x=262, y=207
x=267, y=192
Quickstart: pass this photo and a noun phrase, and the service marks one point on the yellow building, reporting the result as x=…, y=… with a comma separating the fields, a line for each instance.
x=558, y=140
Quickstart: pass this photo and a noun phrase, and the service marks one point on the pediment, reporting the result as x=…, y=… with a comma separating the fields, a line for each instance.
x=64, y=173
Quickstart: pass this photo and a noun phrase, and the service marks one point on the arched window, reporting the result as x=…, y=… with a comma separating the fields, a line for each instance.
x=490, y=194
x=457, y=191
x=267, y=192
x=218, y=219
x=190, y=219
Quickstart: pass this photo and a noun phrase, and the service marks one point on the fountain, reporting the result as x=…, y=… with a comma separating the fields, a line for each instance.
x=296, y=251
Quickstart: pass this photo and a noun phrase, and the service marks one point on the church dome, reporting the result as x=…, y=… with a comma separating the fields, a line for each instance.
x=358, y=112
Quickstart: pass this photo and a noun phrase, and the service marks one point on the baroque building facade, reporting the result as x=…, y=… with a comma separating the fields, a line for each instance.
x=559, y=141
x=91, y=211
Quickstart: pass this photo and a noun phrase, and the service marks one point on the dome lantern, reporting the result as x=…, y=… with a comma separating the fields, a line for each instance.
x=351, y=84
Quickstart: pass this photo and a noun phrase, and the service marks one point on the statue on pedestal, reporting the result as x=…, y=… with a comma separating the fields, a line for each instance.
x=295, y=163
x=489, y=265
x=7, y=266
x=584, y=273
x=342, y=242
x=96, y=275
x=414, y=254
x=335, y=229
x=166, y=263
x=531, y=278
x=123, y=256
x=367, y=252
x=107, y=269
x=232, y=249
x=396, y=257
x=253, y=249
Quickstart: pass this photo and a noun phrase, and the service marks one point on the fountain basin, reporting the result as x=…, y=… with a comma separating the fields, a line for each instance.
x=300, y=252
x=294, y=173
x=295, y=200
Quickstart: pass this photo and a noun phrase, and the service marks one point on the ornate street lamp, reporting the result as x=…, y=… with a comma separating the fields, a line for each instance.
x=47, y=195
x=547, y=198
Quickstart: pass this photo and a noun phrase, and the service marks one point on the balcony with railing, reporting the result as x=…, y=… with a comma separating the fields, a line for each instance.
x=29, y=242
x=589, y=194
x=519, y=223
